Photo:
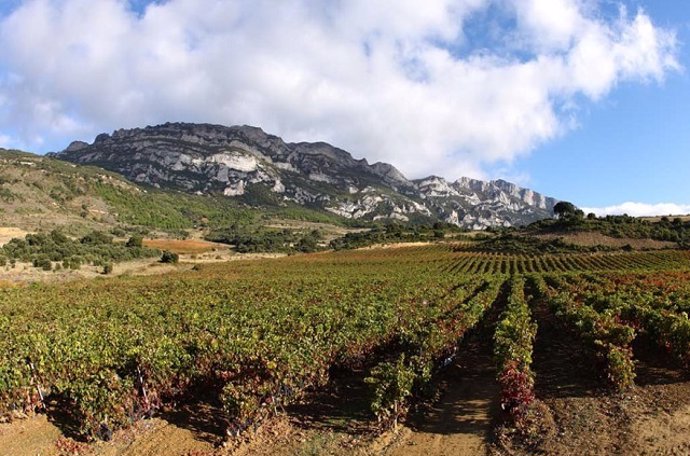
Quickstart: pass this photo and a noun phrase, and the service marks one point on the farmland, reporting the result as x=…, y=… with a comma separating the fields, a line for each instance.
x=400, y=327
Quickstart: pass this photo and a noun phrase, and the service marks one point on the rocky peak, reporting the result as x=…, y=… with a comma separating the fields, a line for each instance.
x=390, y=173
x=238, y=160
x=76, y=145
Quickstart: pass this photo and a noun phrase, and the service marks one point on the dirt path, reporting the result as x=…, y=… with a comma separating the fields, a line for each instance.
x=462, y=421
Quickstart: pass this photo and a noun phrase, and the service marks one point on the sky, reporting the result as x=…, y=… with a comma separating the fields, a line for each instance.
x=582, y=100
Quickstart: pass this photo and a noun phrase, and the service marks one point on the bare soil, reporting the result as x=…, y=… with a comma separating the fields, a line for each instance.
x=461, y=422
x=651, y=419
x=39, y=436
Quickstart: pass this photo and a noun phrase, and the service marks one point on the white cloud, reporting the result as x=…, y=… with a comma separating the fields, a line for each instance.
x=640, y=209
x=390, y=80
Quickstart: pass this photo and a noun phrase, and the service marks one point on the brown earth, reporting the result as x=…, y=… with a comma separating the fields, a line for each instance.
x=651, y=419
x=38, y=436
x=461, y=422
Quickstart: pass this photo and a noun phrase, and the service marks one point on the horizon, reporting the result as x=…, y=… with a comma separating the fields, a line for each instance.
x=579, y=100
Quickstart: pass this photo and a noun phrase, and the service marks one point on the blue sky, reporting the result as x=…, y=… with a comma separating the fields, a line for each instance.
x=584, y=100
x=632, y=146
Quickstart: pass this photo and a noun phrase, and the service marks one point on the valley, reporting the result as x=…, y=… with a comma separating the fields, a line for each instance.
x=344, y=228
x=202, y=289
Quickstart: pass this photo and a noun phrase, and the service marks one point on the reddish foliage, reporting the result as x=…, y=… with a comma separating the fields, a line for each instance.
x=517, y=392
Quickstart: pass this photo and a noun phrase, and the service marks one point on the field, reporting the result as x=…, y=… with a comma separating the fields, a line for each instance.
x=425, y=349
x=189, y=246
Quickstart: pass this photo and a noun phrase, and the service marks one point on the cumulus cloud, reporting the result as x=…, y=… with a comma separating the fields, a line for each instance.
x=392, y=80
x=641, y=209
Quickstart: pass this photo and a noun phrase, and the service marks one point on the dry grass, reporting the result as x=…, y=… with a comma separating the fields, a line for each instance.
x=187, y=246
x=25, y=273
x=7, y=233
x=590, y=239
x=329, y=231
x=395, y=245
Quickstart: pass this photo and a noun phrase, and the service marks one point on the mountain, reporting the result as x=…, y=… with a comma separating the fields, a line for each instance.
x=260, y=169
x=40, y=193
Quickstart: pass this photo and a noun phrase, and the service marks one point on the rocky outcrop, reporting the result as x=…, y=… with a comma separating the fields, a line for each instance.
x=241, y=161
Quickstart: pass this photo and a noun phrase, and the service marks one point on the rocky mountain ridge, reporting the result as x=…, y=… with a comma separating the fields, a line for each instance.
x=245, y=162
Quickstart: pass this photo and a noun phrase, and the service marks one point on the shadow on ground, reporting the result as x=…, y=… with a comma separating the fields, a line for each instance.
x=205, y=420
x=563, y=367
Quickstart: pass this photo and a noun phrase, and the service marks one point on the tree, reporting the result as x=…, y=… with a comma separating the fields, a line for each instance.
x=565, y=210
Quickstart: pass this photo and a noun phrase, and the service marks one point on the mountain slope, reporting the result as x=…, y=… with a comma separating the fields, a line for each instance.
x=40, y=193
x=262, y=170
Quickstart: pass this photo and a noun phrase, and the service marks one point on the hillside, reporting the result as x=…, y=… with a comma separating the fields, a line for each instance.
x=262, y=170
x=40, y=192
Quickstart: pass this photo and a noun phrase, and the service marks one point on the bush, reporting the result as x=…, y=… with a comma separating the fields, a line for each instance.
x=108, y=268
x=97, y=237
x=170, y=257
x=95, y=248
x=118, y=232
x=43, y=263
x=135, y=241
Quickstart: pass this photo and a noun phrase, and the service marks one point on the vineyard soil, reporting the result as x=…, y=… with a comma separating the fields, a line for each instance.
x=461, y=421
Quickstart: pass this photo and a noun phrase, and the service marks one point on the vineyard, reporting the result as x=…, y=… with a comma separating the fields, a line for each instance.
x=259, y=336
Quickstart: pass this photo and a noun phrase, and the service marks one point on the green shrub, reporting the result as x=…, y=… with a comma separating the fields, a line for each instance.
x=135, y=241
x=97, y=237
x=170, y=257
x=118, y=232
x=43, y=263
x=95, y=248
